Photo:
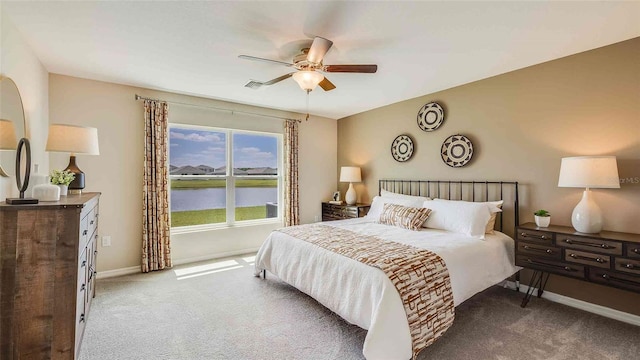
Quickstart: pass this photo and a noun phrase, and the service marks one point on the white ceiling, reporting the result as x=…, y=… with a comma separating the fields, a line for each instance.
x=420, y=47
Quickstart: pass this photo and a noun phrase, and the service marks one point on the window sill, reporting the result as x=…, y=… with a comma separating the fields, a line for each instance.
x=213, y=227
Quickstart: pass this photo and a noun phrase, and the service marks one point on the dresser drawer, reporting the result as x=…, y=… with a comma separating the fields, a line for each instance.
x=540, y=237
x=92, y=218
x=612, y=278
x=628, y=265
x=590, y=244
x=632, y=250
x=82, y=284
x=551, y=266
x=84, y=234
x=539, y=250
x=586, y=258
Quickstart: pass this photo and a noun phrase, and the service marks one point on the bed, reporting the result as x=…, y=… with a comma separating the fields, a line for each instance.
x=364, y=295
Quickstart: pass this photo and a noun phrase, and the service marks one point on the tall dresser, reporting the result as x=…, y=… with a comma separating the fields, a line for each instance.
x=47, y=275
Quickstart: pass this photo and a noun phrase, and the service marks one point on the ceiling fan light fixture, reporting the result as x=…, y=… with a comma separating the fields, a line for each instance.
x=308, y=79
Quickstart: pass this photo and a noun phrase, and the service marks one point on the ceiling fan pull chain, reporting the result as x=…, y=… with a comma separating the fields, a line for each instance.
x=308, y=91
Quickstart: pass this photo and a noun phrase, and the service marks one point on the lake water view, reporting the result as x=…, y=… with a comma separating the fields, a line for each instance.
x=215, y=198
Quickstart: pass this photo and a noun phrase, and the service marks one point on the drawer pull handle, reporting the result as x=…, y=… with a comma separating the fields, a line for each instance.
x=542, y=237
x=613, y=278
x=84, y=232
x=548, y=251
x=560, y=267
x=629, y=266
x=584, y=243
x=598, y=259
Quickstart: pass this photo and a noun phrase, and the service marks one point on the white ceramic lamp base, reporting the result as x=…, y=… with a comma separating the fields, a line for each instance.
x=587, y=216
x=350, y=196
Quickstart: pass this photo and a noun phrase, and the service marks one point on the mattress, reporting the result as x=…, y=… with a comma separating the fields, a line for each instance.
x=364, y=296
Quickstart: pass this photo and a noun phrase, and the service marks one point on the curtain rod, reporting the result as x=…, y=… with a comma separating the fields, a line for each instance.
x=138, y=97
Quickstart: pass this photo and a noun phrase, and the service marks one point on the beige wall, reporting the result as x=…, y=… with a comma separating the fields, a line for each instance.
x=521, y=124
x=117, y=171
x=18, y=61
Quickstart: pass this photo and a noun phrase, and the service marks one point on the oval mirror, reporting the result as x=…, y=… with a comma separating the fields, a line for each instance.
x=12, y=112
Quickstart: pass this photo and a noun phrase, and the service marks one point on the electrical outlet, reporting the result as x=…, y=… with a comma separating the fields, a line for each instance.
x=106, y=241
x=317, y=219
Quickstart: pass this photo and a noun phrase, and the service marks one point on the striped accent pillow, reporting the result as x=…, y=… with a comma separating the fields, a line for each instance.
x=406, y=217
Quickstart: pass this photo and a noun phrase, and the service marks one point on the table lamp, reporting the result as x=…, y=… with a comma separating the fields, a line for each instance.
x=75, y=140
x=588, y=172
x=350, y=174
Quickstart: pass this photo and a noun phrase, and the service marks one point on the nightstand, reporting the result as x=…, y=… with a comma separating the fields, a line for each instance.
x=608, y=258
x=340, y=212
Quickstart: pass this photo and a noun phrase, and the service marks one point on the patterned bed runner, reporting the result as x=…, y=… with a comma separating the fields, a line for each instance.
x=419, y=275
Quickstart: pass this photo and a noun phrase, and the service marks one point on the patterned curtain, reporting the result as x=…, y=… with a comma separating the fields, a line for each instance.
x=291, y=198
x=156, y=249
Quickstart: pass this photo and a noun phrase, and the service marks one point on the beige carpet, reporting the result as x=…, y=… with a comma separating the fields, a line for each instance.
x=218, y=310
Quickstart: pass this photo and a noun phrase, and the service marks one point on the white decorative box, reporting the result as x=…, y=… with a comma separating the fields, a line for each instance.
x=46, y=192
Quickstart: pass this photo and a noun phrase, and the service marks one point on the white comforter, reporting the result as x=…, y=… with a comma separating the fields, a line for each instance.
x=364, y=296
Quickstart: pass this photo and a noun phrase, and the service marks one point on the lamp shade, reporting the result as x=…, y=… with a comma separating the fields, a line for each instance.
x=8, y=139
x=350, y=174
x=589, y=172
x=73, y=139
x=308, y=79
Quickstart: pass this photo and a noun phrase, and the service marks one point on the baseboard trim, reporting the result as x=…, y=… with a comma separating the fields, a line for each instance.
x=214, y=256
x=136, y=269
x=583, y=305
x=118, y=272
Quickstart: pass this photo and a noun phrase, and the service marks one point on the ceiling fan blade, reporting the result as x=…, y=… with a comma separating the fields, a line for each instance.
x=369, y=69
x=318, y=49
x=253, y=84
x=247, y=57
x=326, y=85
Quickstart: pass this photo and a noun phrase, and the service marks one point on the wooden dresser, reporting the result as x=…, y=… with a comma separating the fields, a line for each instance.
x=608, y=258
x=343, y=211
x=47, y=271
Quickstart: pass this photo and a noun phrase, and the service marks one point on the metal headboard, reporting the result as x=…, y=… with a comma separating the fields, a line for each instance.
x=476, y=191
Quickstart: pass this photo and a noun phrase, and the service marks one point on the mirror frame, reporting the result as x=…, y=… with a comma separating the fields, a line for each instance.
x=18, y=126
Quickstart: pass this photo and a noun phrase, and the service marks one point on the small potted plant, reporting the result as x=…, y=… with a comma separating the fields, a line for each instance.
x=62, y=178
x=543, y=218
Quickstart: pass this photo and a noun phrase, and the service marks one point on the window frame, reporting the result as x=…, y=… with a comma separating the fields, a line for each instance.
x=230, y=180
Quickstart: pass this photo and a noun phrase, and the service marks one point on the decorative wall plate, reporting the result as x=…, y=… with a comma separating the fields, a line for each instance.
x=457, y=151
x=430, y=117
x=402, y=148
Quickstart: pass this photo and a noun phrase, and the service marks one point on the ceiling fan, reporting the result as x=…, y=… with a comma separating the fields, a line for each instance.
x=309, y=65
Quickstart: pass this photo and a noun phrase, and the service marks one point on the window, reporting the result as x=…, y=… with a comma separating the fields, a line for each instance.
x=222, y=176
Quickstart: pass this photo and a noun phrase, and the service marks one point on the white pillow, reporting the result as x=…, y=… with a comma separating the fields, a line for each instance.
x=378, y=202
x=469, y=218
x=389, y=194
x=494, y=206
x=492, y=220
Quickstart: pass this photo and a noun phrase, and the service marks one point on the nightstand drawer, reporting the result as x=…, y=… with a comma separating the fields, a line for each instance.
x=628, y=265
x=632, y=250
x=539, y=250
x=581, y=257
x=339, y=212
x=550, y=266
x=535, y=236
x=350, y=212
x=612, y=278
x=590, y=244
